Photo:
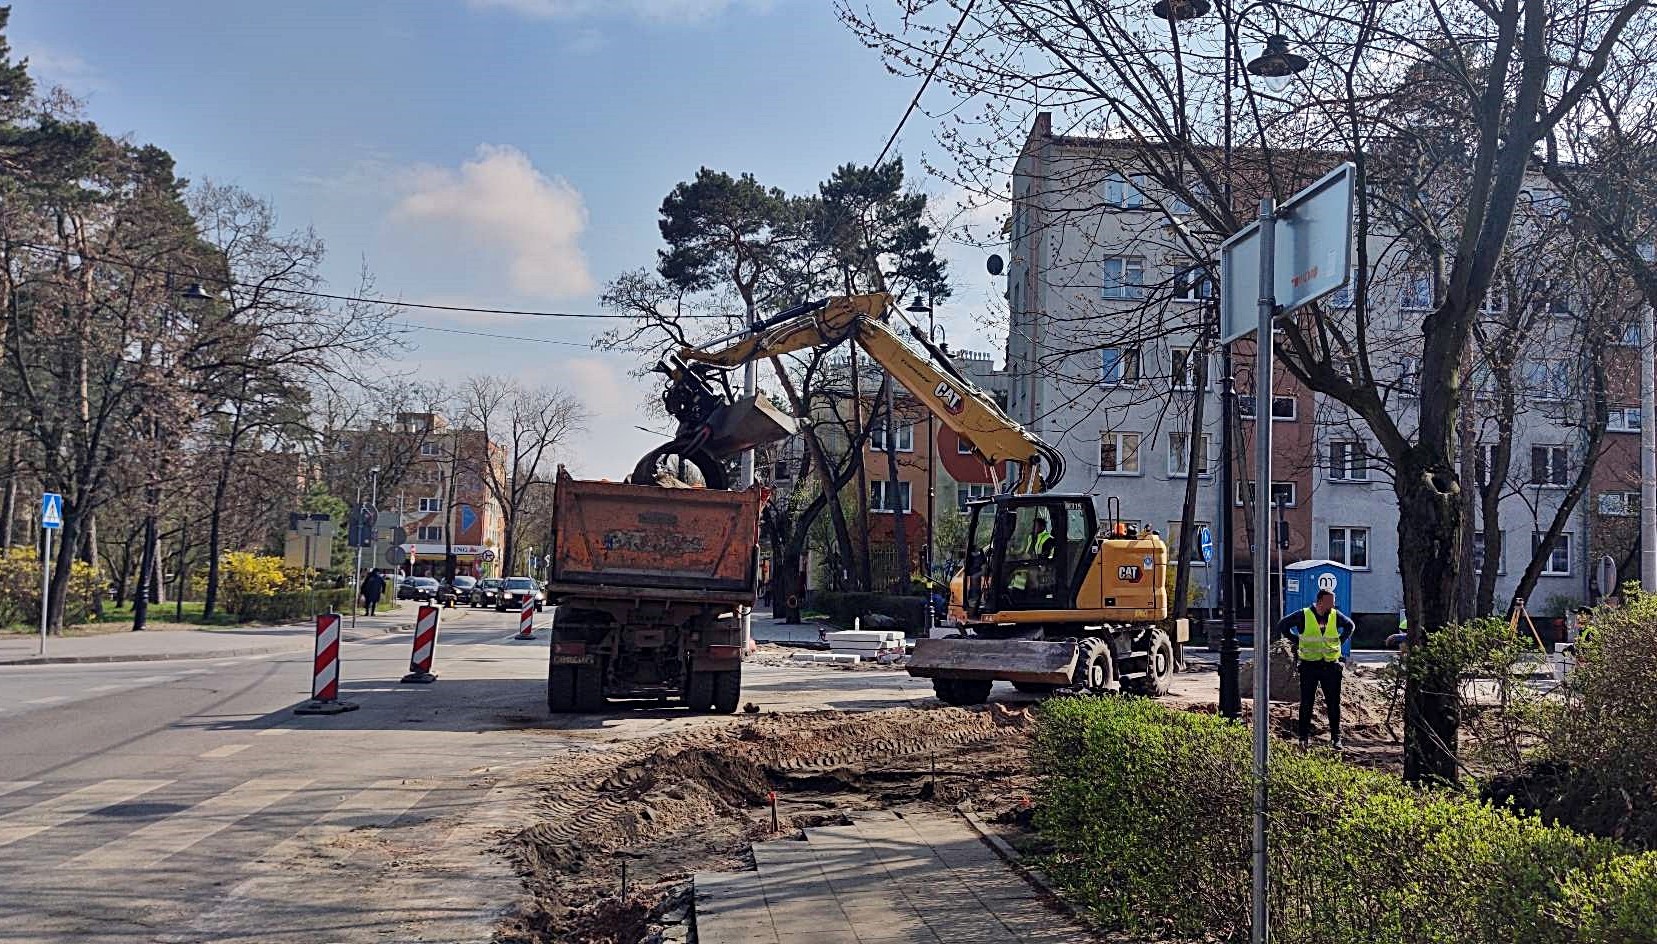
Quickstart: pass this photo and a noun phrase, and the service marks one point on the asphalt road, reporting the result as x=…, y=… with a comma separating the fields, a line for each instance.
x=184, y=801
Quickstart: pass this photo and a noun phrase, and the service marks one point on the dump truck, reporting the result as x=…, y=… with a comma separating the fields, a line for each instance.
x=649, y=583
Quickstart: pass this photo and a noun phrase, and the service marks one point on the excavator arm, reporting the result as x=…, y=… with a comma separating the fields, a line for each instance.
x=994, y=436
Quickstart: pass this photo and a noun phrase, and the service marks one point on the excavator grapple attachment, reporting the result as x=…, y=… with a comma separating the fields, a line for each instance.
x=1012, y=660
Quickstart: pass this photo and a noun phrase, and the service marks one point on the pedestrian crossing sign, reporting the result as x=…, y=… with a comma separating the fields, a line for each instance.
x=51, y=510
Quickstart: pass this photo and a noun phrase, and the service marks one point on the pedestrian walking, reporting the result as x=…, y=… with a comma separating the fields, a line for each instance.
x=1319, y=633
x=373, y=586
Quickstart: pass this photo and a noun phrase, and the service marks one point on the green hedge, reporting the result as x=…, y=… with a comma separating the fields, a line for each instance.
x=1148, y=813
x=842, y=608
x=300, y=604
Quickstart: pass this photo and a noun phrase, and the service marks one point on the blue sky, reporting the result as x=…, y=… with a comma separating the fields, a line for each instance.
x=498, y=153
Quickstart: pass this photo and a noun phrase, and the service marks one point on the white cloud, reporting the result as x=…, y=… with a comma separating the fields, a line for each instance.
x=500, y=200
x=640, y=9
x=52, y=66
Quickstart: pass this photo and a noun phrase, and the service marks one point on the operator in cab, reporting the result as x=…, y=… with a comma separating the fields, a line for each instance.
x=1319, y=634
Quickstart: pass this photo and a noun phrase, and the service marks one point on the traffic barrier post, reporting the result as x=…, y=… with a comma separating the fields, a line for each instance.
x=526, y=619
x=325, y=671
x=425, y=647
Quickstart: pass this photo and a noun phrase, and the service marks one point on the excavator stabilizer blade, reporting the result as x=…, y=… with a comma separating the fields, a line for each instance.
x=1009, y=660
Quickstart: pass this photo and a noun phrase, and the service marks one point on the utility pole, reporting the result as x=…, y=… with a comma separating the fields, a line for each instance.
x=1259, y=927
x=750, y=386
x=1648, y=452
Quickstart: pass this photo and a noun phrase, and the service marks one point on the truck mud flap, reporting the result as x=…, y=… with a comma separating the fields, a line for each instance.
x=1010, y=660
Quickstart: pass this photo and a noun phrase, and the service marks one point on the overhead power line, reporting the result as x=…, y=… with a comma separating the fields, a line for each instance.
x=936, y=62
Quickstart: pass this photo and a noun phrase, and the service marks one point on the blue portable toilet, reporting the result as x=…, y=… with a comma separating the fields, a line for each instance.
x=1303, y=579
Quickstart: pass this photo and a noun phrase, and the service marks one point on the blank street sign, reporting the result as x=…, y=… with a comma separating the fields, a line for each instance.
x=1314, y=255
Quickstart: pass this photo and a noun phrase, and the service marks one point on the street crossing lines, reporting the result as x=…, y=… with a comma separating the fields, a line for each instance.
x=378, y=806
x=151, y=844
x=225, y=751
x=61, y=809
x=12, y=786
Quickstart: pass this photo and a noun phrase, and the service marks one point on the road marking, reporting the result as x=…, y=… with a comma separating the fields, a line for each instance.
x=178, y=832
x=73, y=805
x=272, y=732
x=102, y=688
x=226, y=750
x=378, y=806
x=12, y=786
x=150, y=679
x=196, y=672
x=52, y=700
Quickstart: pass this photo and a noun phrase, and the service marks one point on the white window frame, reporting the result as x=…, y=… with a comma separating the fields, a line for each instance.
x=1552, y=452
x=1125, y=191
x=1411, y=298
x=1563, y=547
x=1351, y=454
x=1557, y=298
x=1178, y=456
x=1193, y=285
x=1501, y=552
x=1346, y=545
x=1196, y=547
x=1628, y=335
x=877, y=496
x=1484, y=456
x=963, y=445
x=1245, y=489
x=877, y=437
x=1128, y=363
x=971, y=491
x=1185, y=379
x=1119, y=442
x=431, y=505
x=1347, y=295
x=1617, y=419
x=431, y=450
x=1245, y=407
x=1549, y=379
x=1620, y=504
x=429, y=533
x=1129, y=284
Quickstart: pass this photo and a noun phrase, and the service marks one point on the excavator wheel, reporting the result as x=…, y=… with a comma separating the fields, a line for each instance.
x=1035, y=688
x=1095, y=667
x=1159, y=666
x=962, y=692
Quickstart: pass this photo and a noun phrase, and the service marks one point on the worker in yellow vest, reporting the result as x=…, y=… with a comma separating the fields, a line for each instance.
x=1319, y=633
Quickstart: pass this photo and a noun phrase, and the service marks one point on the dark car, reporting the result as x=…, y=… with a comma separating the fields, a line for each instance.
x=515, y=590
x=487, y=591
x=419, y=588
x=463, y=586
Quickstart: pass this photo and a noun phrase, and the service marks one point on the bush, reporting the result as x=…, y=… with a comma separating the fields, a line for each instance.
x=20, y=588
x=293, y=605
x=245, y=577
x=1141, y=802
x=908, y=612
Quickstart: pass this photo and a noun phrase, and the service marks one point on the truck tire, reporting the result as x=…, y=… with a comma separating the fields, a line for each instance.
x=962, y=692
x=727, y=691
x=1159, y=666
x=589, y=687
x=699, y=691
x=561, y=689
x=1095, y=668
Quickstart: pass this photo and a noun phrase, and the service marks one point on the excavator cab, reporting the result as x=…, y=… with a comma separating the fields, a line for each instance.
x=1027, y=552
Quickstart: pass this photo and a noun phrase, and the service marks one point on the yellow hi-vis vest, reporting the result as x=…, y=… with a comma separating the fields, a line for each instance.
x=1320, y=643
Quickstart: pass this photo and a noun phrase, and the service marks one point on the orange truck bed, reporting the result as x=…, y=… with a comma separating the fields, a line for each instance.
x=617, y=540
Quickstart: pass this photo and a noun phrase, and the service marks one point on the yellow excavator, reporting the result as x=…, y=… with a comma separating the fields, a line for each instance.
x=1049, y=597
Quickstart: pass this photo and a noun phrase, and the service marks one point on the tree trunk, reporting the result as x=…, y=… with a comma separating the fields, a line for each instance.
x=1188, y=508
x=1429, y=537
x=64, y=547
x=8, y=502
x=509, y=545
x=146, y=576
x=215, y=517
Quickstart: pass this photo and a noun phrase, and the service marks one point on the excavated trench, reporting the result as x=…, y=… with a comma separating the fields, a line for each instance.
x=657, y=811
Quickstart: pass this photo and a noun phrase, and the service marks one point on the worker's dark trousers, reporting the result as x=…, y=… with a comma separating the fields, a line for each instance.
x=1328, y=675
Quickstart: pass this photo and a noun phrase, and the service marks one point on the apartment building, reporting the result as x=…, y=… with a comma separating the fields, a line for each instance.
x=1105, y=308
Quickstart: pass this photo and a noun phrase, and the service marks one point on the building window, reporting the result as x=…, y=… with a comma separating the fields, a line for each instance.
x=430, y=449
x=1619, y=504
x=970, y=493
x=1478, y=553
x=1283, y=493
x=1495, y=301
x=1119, y=366
x=1193, y=285
x=1409, y=376
x=1556, y=297
x=431, y=504
x=1623, y=419
x=905, y=439
x=1484, y=463
x=1550, y=466
x=1418, y=291
x=1559, y=559
x=963, y=446
x=1345, y=296
x=1549, y=379
x=1350, y=546
x=882, y=496
x=1125, y=277
x=1347, y=462
x=1179, y=454
x=1119, y=454
x=1284, y=408
x=1126, y=192
x=1627, y=334
x=780, y=471
x=429, y=534
x=1184, y=368
x=1196, y=548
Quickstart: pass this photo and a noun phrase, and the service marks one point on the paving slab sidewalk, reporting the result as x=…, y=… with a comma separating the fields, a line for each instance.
x=167, y=645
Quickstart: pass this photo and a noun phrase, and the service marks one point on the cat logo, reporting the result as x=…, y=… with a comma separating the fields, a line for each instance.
x=1128, y=573
x=952, y=400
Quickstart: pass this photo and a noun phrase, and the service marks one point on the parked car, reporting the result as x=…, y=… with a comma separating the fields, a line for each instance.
x=487, y=591
x=419, y=588
x=515, y=590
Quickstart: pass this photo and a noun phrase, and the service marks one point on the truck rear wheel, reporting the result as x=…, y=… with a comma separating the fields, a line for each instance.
x=589, y=687
x=1095, y=669
x=1035, y=688
x=962, y=692
x=1158, y=679
x=727, y=691
x=561, y=689
x=699, y=691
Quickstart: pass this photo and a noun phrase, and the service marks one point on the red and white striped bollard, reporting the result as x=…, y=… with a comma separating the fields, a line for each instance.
x=325, y=671
x=425, y=647
x=526, y=619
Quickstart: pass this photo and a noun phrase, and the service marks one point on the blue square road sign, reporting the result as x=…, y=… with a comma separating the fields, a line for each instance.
x=51, y=510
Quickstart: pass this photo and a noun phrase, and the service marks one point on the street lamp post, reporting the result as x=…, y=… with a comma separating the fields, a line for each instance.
x=918, y=306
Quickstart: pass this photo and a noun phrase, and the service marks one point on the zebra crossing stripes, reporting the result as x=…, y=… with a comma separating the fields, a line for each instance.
x=159, y=840
x=66, y=807
x=377, y=806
